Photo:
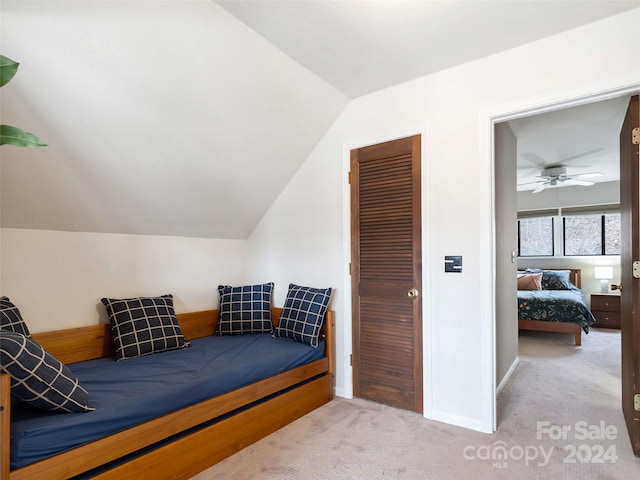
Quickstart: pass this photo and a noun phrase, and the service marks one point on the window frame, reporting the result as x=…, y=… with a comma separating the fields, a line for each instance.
x=559, y=213
x=553, y=237
x=603, y=236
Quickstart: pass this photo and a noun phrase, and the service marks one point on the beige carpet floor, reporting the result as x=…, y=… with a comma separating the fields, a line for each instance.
x=559, y=417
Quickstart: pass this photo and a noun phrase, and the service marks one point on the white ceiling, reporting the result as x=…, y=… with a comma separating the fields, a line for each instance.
x=364, y=46
x=189, y=118
x=161, y=118
x=583, y=139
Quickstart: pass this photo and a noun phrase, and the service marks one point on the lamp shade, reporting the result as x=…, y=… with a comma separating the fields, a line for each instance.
x=604, y=273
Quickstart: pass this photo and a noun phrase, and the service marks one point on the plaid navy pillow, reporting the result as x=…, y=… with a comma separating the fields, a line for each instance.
x=38, y=378
x=10, y=318
x=245, y=309
x=303, y=314
x=144, y=325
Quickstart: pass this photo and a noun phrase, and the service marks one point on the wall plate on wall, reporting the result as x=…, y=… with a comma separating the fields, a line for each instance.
x=453, y=263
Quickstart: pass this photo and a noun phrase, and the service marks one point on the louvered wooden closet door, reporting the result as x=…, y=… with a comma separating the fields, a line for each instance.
x=386, y=273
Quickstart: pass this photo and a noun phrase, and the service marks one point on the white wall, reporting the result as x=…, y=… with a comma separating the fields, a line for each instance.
x=457, y=194
x=58, y=278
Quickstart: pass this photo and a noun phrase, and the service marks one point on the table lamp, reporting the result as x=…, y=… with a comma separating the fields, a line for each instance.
x=604, y=274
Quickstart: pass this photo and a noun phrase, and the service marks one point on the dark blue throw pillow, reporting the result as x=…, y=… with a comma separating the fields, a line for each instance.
x=245, y=309
x=10, y=318
x=303, y=314
x=143, y=325
x=38, y=378
x=556, y=280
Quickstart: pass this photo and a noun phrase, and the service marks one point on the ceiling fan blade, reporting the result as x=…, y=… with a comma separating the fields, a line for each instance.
x=540, y=188
x=531, y=183
x=582, y=183
x=534, y=158
x=583, y=154
x=527, y=171
x=588, y=174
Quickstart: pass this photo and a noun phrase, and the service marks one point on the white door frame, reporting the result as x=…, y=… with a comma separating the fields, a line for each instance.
x=611, y=88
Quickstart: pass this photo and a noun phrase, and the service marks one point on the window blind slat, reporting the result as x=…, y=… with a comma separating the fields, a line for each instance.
x=548, y=212
x=591, y=209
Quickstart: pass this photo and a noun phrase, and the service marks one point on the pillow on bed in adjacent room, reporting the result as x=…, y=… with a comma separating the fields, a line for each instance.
x=38, y=378
x=10, y=318
x=144, y=325
x=530, y=281
x=303, y=314
x=554, y=279
x=245, y=309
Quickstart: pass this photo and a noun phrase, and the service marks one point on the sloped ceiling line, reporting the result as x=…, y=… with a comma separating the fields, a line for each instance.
x=189, y=118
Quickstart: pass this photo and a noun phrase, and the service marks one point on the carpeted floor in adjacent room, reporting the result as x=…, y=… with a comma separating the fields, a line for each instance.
x=559, y=417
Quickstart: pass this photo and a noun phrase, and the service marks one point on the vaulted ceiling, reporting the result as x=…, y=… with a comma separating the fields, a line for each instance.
x=364, y=46
x=190, y=117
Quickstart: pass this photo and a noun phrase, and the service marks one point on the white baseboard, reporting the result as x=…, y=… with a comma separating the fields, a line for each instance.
x=507, y=375
x=458, y=421
x=340, y=392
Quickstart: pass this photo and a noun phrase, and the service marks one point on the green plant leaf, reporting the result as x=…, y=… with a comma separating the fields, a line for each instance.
x=14, y=136
x=8, y=69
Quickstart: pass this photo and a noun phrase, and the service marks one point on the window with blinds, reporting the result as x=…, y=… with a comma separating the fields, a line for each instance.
x=586, y=231
x=535, y=237
x=591, y=234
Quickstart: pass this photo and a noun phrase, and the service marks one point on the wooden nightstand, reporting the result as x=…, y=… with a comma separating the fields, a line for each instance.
x=606, y=308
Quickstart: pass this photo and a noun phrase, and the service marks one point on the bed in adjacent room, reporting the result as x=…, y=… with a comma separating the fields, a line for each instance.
x=551, y=301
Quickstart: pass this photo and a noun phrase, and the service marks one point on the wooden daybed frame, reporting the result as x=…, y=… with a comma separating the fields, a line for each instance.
x=205, y=443
x=558, y=327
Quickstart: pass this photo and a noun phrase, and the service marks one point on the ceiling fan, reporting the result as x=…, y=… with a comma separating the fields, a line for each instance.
x=557, y=176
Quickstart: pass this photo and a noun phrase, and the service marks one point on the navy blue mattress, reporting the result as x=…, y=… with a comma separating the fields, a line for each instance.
x=130, y=392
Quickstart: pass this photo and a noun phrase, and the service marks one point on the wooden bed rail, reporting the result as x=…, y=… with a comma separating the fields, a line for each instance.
x=96, y=341
x=5, y=398
x=85, y=343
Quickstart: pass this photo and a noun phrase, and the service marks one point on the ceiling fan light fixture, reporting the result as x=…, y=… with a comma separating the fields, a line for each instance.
x=555, y=172
x=556, y=176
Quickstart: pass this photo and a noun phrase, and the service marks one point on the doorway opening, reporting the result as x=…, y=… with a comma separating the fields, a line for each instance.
x=557, y=202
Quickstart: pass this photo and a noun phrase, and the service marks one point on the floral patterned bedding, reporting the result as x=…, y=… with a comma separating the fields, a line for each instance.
x=555, y=306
